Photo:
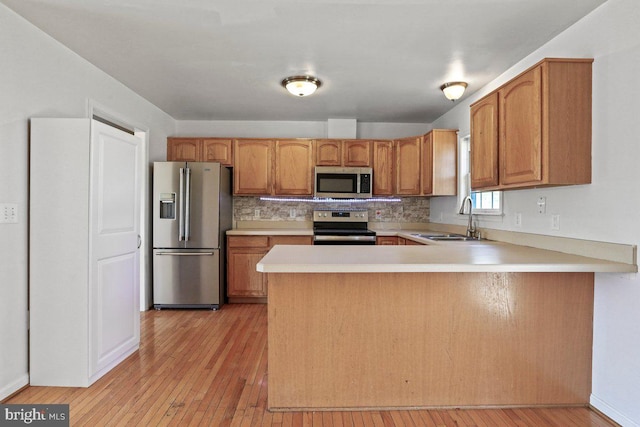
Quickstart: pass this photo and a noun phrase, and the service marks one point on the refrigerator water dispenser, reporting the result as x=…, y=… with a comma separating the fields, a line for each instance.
x=167, y=205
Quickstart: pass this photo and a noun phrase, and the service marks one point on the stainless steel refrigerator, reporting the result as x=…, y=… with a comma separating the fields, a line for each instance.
x=192, y=210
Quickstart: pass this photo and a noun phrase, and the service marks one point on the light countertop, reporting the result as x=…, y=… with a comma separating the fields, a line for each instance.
x=483, y=256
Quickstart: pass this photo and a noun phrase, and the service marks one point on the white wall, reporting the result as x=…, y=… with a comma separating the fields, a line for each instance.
x=607, y=209
x=292, y=129
x=41, y=78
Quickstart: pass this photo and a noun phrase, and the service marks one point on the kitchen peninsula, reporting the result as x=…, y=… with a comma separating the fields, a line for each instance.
x=457, y=325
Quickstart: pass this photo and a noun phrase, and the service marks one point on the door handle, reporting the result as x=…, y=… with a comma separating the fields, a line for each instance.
x=181, y=219
x=187, y=220
x=186, y=253
x=139, y=241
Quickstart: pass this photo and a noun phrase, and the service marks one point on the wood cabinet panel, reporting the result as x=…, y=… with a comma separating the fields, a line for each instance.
x=383, y=168
x=248, y=242
x=339, y=152
x=200, y=150
x=407, y=166
x=387, y=240
x=253, y=166
x=184, y=150
x=542, y=119
x=440, y=163
x=217, y=150
x=484, y=142
x=520, y=140
x=244, y=252
x=294, y=167
x=243, y=279
x=328, y=152
x=356, y=153
x=290, y=240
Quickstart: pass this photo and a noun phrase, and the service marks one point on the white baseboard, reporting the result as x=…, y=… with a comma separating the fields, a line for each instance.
x=14, y=386
x=611, y=412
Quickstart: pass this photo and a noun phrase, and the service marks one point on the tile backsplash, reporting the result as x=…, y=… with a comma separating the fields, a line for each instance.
x=409, y=209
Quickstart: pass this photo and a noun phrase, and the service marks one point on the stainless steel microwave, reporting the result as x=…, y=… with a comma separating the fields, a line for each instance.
x=343, y=182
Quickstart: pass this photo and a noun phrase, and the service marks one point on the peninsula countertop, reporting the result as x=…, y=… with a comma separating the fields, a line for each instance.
x=480, y=256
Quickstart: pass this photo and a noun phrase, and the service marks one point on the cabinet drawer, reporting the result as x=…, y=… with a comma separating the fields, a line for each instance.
x=248, y=241
x=291, y=240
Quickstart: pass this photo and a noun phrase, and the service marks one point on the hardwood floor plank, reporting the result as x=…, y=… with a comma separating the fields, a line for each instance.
x=203, y=368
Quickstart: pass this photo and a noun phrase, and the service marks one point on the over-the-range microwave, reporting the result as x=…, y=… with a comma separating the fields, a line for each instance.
x=343, y=182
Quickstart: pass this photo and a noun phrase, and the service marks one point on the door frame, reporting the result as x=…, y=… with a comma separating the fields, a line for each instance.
x=94, y=108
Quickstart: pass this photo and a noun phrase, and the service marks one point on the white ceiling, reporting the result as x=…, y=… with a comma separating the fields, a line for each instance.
x=379, y=60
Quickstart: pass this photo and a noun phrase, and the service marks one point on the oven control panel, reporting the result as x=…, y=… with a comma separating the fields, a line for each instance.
x=346, y=215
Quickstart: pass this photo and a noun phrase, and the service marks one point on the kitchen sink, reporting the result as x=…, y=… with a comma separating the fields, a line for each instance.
x=446, y=237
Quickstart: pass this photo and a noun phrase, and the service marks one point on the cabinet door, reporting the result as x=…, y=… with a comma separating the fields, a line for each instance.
x=521, y=129
x=328, y=152
x=408, y=166
x=387, y=240
x=427, y=164
x=252, y=167
x=440, y=163
x=294, y=166
x=184, y=149
x=290, y=240
x=383, y=168
x=484, y=142
x=243, y=279
x=356, y=153
x=217, y=150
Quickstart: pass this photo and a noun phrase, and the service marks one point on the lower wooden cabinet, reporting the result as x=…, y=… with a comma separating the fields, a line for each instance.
x=387, y=240
x=243, y=254
x=244, y=283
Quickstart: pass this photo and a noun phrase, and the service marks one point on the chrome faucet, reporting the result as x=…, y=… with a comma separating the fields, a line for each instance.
x=471, y=231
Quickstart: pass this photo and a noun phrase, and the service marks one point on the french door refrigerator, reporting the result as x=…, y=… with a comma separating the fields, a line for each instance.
x=192, y=209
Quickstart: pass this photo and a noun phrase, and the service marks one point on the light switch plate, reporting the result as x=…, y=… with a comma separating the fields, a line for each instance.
x=9, y=213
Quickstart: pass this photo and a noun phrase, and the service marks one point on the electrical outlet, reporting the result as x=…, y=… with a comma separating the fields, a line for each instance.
x=292, y=213
x=378, y=214
x=542, y=204
x=555, y=222
x=256, y=213
x=9, y=213
x=518, y=220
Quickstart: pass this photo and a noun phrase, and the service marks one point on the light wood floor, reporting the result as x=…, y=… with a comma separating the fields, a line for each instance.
x=210, y=369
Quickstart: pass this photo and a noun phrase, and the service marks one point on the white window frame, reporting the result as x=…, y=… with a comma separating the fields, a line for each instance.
x=464, y=179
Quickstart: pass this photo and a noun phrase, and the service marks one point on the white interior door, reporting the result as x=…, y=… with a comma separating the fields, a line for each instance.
x=116, y=187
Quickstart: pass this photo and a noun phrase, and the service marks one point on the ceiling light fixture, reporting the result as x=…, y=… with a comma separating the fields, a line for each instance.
x=301, y=85
x=453, y=90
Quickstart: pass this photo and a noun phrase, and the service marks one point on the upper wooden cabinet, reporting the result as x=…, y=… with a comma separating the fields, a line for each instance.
x=273, y=167
x=294, y=167
x=253, y=166
x=440, y=163
x=200, y=150
x=217, y=150
x=184, y=149
x=484, y=137
x=539, y=124
x=407, y=165
x=382, y=168
x=343, y=152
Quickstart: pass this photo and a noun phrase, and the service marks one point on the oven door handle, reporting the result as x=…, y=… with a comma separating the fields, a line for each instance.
x=344, y=238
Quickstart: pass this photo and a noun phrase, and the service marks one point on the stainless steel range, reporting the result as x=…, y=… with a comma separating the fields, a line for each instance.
x=342, y=227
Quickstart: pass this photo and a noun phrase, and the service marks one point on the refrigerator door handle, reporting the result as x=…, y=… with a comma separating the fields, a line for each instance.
x=187, y=221
x=186, y=253
x=181, y=219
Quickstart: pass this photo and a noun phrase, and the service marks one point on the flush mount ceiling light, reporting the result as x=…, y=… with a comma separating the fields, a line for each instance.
x=301, y=85
x=453, y=90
